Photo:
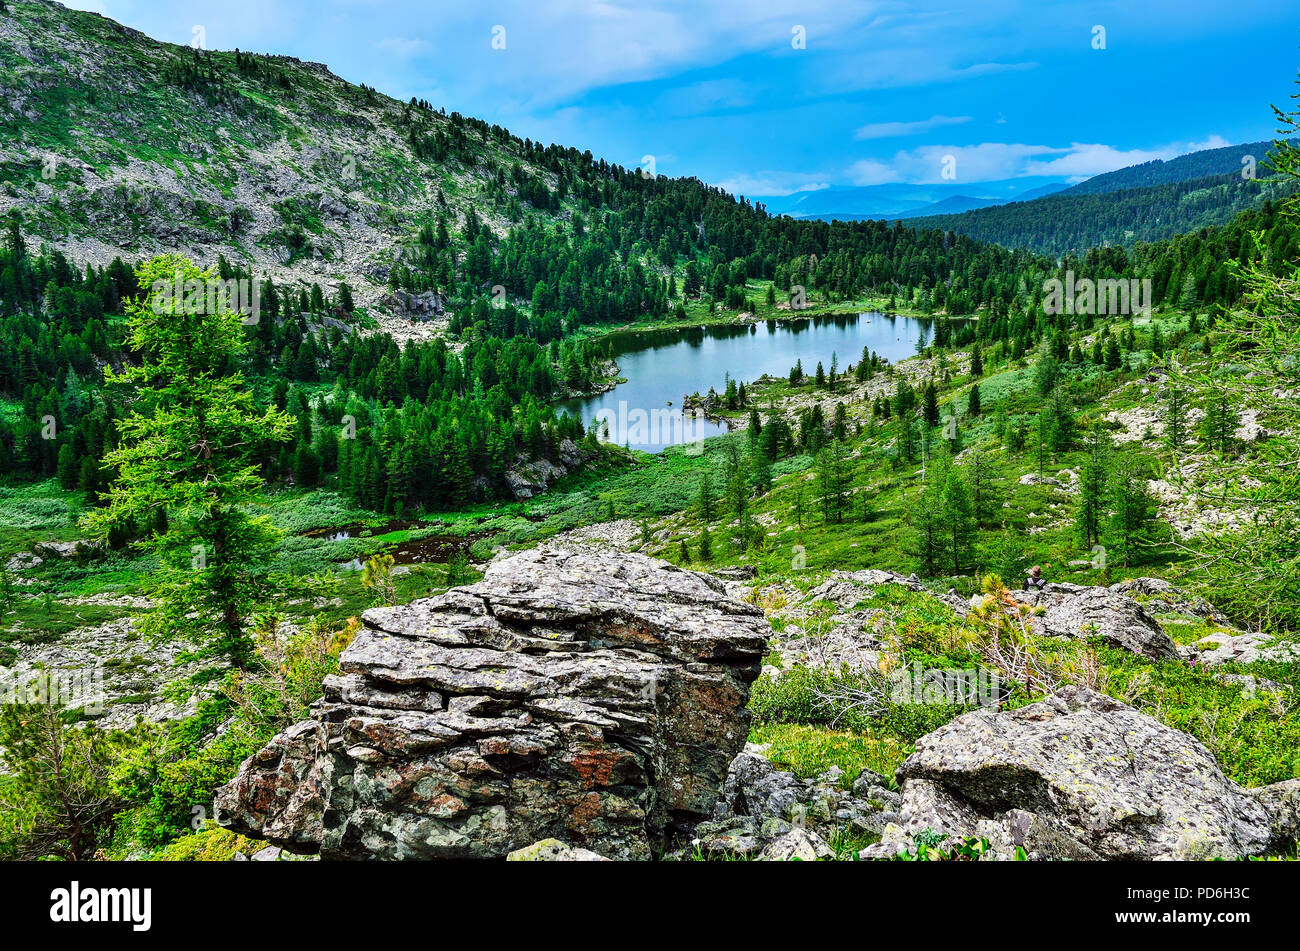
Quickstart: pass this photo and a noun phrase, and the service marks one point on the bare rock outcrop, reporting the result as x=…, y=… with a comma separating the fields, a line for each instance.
x=1070, y=610
x=1163, y=597
x=1241, y=647
x=530, y=477
x=1080, y=775
x=768, y=813
x=592, y=697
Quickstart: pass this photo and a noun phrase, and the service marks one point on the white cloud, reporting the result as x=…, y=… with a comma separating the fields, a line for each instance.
x=403, y=47
x=893, y=130
x=991, y=161
x=1086, y=160
x=606, y=43
x=706, y=97
x=771, y=184
x=871, y=172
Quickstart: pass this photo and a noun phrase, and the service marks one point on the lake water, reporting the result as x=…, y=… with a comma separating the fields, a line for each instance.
x=662, y=366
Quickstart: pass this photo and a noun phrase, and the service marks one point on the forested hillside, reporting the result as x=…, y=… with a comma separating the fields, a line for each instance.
x=1143, y=203
x=1207, y=163
x=1073, y=222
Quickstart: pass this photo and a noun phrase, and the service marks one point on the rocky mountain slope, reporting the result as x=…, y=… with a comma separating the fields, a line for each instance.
x=112, y=143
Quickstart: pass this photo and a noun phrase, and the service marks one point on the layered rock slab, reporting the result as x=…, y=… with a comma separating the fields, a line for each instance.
x=595, y=698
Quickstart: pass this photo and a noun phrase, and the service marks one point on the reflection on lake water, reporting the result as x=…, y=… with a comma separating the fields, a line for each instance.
x=662, y=366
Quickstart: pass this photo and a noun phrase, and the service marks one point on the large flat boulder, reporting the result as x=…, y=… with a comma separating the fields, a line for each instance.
x=591, y=697
x=1079, y=775
x=1070, y=610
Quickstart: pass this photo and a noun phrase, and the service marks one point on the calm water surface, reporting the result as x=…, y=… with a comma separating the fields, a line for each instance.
x=663, y=366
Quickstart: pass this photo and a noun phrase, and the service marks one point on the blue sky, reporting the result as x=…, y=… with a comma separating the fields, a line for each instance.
x=880, y=92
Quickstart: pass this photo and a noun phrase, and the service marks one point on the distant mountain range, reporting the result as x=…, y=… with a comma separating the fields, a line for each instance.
x=897, y=200
x=1145, y=202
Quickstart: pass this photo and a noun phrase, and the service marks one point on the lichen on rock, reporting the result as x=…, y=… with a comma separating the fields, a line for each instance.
x=593, y=697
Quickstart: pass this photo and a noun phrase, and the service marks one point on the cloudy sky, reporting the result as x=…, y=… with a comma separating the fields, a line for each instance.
x=767, y=98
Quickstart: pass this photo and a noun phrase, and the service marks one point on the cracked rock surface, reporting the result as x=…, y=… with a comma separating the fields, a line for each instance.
x=1081, y=776
x=596, y=698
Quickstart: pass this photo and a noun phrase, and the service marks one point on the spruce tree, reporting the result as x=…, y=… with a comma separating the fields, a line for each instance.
x=958, y=518
x=1131, y=516
x=704, y=499
x=1175, y=418
x=1220, y=421
x=833, y=483
x=1090, y=504
x=705, y=545
x=928, y=530
x=930, y=404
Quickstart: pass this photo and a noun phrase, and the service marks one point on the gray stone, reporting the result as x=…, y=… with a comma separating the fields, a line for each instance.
x=1069, y=610
x=777, y=800
x=553, y=850
x=592, y=697
x=1074, y=775
x=1222, y=647
x=797, y=845
x=1163, y=597
x=1282, y=803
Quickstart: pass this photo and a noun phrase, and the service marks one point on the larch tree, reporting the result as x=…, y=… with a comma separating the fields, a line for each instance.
x=1253, y=571
x=190, y=448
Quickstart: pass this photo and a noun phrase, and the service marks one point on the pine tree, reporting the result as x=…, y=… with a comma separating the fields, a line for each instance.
x=377, y=576
x=1061, y=424
x=345, y=298
x=737, y=489
x=930, y=404
x=58, y=782
x=906, y=437
x=1175, y=418
x=973, y=401
x=1113, y=359
x=1130, y=520
x=928, y=530
x=1218, y=426
x=833, y=482
x=979, y=479
x=958, y=519
x=68, y=468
